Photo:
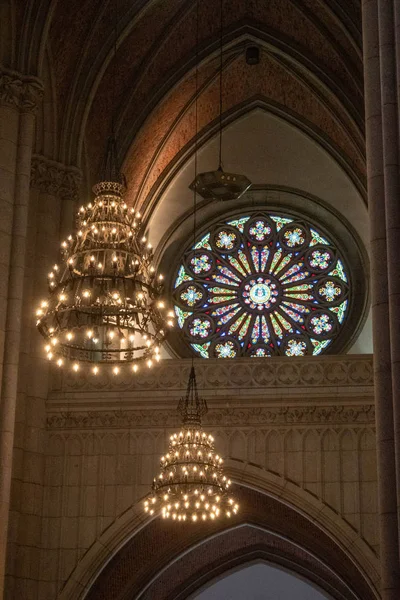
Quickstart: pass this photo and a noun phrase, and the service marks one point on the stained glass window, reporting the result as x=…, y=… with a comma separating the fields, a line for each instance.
x=261, y=285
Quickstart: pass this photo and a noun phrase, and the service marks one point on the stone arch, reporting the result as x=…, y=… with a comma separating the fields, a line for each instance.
x=277, y=513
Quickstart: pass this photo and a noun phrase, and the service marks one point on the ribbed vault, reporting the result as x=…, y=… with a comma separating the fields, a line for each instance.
x=311, y=65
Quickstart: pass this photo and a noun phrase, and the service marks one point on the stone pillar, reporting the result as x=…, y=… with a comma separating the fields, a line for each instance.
x=19, y=96
x=378, y=172
x=53, y=186
x=389, y=47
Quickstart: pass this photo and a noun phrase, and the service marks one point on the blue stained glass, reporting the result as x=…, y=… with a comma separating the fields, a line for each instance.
x=261, y=290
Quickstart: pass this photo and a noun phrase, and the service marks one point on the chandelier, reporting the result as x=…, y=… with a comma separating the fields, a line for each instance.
x=220, y=185
x=105, y=304
x=191, y=485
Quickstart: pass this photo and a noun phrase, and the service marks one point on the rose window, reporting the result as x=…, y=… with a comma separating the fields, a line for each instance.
x=261, y=285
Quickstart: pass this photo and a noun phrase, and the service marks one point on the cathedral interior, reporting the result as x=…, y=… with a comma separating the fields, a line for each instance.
x=255, y=145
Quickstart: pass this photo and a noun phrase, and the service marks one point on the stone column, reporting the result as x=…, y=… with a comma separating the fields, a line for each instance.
x=389, y=47
x=390, y=568
x=53, y=187
x=19, y=96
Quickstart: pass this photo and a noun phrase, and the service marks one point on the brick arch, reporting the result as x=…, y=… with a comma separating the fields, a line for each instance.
x=165, y=562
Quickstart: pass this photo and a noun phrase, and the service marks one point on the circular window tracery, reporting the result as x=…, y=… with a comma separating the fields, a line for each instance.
x=261, y=285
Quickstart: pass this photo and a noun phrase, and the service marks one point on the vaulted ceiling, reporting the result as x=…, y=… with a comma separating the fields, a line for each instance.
x=310, y=72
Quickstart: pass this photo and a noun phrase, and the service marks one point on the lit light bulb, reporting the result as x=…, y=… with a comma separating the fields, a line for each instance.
x=60, y=362
x=116, y=370
x=95, y=370
x=135, y=368
x=76, y=367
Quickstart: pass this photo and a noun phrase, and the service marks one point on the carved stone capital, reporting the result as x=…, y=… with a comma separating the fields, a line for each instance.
x=54, y=178
x=22, y=92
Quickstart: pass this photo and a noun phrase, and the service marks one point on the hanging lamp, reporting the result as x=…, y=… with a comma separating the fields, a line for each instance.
x=220, y=185
x=191, y=485
x=104, y=305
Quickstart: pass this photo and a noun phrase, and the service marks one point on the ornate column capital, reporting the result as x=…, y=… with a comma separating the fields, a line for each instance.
x=23, y=92
x=54, y=178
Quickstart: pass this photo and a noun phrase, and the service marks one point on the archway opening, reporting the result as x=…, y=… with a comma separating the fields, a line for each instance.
x=259, y=581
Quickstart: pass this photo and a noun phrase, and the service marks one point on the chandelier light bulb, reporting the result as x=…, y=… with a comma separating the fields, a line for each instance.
x=104, y=306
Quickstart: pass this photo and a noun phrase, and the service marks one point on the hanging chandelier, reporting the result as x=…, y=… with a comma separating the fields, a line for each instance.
x=220, y=185
x=105, y=304
x=191, y=485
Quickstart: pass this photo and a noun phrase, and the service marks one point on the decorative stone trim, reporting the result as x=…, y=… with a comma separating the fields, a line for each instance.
x=217, y=376
x=127, y=419
x=54, y=178
x=24, y=93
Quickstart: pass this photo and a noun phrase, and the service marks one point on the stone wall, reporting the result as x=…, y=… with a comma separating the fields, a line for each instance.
x=308, y=423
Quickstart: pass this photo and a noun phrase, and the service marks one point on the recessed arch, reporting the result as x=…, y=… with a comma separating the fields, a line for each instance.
x=258, y=577
x=269, y=505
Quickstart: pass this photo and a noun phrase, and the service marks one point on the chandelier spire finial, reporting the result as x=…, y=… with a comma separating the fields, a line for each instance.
x=191, y=407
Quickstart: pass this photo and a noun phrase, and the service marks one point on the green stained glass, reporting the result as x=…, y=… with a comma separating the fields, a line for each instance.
x=182, y=276
x=202, y=349
x=260, y=291
x=244, y=261
x=182, y=315
x=319, y=345
x=316, y=238
x=219, y=299
x=339, y=310
x=338, y=271
x=276, y=259
x=239, y=223
x=283, y=263
x=235, y=263
x=204, y=243
x=236, y=325
x=276, y=326
x=280, y=221
x=244, y=328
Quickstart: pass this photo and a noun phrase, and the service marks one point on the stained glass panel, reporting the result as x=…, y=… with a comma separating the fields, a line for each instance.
x=261, y=285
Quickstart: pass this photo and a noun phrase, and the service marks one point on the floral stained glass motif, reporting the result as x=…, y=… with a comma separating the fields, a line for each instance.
x=261, y=285
x=191, y=295
x=200, y=264
x=225, y=240
x=200, y=328
x=260, y=231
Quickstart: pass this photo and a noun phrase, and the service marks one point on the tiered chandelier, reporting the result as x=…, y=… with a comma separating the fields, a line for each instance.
x=105, y=305
x=191, y=485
